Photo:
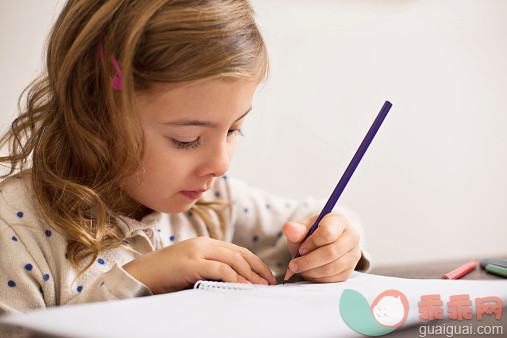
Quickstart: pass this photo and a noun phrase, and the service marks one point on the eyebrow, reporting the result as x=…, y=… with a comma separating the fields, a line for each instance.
x=199, y=122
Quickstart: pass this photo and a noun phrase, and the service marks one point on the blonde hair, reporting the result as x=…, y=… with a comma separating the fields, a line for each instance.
x=79, y=137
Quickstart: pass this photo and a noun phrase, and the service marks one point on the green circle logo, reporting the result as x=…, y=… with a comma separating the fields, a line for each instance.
x=387, y=312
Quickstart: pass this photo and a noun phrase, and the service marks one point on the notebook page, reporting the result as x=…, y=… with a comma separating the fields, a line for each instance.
x=313, y=310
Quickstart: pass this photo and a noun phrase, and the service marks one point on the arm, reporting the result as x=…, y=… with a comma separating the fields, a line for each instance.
x=34, y=273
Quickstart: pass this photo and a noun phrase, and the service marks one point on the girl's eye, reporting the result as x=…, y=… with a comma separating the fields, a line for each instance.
x=235, y=132
x=194, y=144
x=186, y=145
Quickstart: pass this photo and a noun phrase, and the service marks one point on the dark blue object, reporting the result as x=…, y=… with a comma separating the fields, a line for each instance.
x=351, y=168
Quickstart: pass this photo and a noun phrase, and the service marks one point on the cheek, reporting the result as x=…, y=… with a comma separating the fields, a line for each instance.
x=165, y=164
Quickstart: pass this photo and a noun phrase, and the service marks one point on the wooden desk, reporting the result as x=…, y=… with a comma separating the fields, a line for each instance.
x=435, y=270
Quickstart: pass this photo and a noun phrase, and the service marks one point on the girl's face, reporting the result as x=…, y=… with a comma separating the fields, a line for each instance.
x=190, y=134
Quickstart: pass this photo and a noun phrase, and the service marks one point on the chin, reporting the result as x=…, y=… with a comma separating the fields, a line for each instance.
x=177, y=208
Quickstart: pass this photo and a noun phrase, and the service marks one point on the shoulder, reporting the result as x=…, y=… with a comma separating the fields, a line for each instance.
x=231, y=190
x=17, y=202
x=19, y=214
x=221, y=190
x=229, y=187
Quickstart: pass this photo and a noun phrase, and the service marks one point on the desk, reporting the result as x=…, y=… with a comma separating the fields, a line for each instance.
x=432, y=270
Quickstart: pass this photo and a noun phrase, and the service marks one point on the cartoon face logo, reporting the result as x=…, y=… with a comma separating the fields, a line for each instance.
x=387, y=312
x=390, y=308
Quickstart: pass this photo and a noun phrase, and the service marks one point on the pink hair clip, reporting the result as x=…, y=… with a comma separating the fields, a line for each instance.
x=116, y=81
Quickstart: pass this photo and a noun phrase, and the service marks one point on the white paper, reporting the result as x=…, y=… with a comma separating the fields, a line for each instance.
x=295, y=310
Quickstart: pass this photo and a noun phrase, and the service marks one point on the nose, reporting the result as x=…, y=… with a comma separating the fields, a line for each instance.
x=216, y=160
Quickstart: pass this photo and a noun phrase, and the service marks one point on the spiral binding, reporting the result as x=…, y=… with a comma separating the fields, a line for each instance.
x=213, y=285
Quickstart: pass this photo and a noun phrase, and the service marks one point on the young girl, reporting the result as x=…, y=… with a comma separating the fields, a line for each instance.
x=117, y=185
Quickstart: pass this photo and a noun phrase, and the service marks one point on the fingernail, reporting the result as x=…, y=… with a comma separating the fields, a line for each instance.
x=303, y=251
x=293, y=266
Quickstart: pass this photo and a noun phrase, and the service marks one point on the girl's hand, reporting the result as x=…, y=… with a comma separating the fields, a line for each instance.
x=330, y=254
x=178, y=266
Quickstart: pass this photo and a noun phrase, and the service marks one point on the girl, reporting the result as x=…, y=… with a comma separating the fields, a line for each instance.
x=117, y=185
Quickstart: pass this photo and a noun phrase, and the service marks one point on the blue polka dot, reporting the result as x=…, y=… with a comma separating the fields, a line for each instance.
x=190, y=213
x=40, y=289
x=14, y=238
x=101, y=283
x=280, y=234
x=125, y=243
x=268, y=206
x=66, y=256
x=100, y=261
x=11, y=283
x=171, y=238
x=217, y=194
x=29, y=267
x=159, y=230
x=79, y=288
x=245, y=210
x=20, y=214
x=255, y=238
x=224, y=177
x=48, y=233
x=45, y=277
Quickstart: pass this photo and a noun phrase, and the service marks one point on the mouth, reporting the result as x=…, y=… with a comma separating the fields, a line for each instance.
x=192, y=194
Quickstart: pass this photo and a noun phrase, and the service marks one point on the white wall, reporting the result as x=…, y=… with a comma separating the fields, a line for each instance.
x=432, y=185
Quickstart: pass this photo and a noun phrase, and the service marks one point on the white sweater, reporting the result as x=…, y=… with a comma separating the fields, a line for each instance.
x=35, y=273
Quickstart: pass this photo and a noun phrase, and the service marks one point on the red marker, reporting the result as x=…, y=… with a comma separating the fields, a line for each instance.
x=462, y=270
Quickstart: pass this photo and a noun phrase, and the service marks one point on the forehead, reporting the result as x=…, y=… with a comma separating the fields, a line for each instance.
x=204, y=99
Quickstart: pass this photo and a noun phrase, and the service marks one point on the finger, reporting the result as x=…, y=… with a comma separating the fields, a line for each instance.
x=329, y=230
x=236, y=261
x=296, y=231
x=340, y=277
x=345, y=262
x=254, y=262
x=325, y=254
x=216, y=270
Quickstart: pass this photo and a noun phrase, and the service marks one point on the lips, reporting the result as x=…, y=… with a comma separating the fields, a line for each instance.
x=193, y=195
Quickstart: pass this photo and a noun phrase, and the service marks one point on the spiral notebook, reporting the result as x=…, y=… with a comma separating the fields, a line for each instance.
x=215, y=309
x=224, y=286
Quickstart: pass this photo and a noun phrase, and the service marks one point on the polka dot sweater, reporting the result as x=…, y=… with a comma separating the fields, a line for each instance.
x=36, y=273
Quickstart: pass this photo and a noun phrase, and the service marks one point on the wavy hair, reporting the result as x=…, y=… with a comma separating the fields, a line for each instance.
x=79, y=138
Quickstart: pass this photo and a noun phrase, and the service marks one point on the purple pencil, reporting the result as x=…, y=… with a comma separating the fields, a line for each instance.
x=347, y=174
x=495, y=261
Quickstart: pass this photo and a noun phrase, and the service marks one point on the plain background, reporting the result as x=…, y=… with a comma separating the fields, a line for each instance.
x=433, y=183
